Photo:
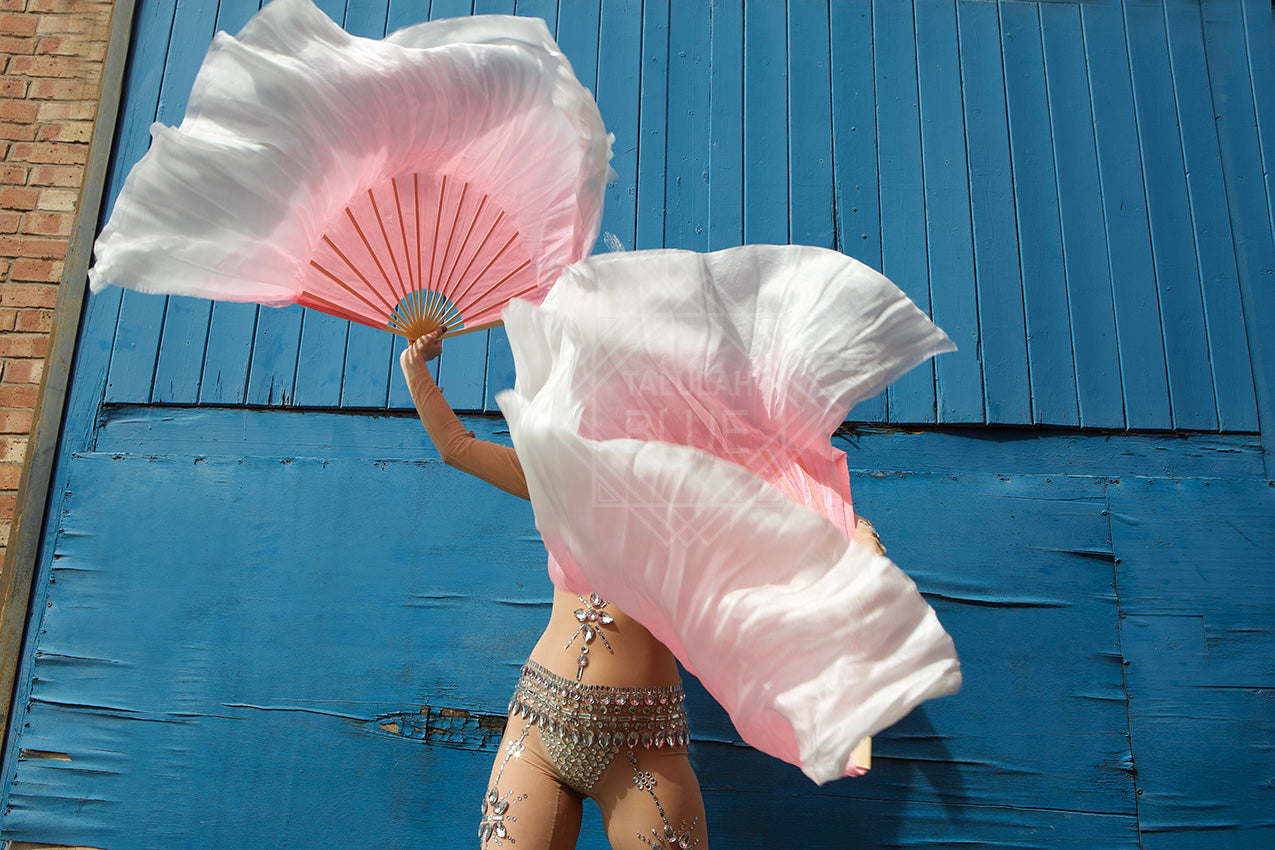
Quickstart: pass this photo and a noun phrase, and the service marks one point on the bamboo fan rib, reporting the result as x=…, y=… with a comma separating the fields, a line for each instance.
x=418, y=251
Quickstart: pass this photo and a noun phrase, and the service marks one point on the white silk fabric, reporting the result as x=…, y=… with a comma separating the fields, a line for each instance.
x=294, y=121
x=673, y=414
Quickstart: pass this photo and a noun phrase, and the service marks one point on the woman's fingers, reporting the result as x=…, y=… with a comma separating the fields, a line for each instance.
x=426, y=347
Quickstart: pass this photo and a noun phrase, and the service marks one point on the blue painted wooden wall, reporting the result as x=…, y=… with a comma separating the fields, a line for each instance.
x=256, y=620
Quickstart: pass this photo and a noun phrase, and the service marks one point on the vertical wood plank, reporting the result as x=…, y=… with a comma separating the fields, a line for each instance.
x=272, y=372
x=726, y=123
x=164, y=62
x=367, y=18
x=1259, y=38
x=493, y=7
x=619, y=93
x=404, y=13
x=1093, y=318
x=547, y=10
x=229, y=328
x=321, y=350
x=230, y=333
x=1233, y=104
x=1215, y=250
x=903, y=256
x=810, y=195
x=368, y=351
x=450, y=8
x=320, y=359
x=399, y=14
x=652, y=125
x=854, y=131
x=1049, y=345
x=184, y=337
x=998, y=276
x=1168, y=209
x=854, y=150
x=949, y=236
x=179, y=362
x=578, y=22
x=765, y=123
x=686, y=157
x=139, y=101
x=1139, y=338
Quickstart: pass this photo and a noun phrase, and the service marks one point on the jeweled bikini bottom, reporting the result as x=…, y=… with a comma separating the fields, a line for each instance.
x=583, y=727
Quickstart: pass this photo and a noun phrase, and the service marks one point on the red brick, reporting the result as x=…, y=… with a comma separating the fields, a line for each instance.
x=56, y=153
x=18, y=395
x=13, y=449
x=8, y=318
x=23, y=371
x=60, y=8
x=10, y=475
x=24, y=345
x=14, y=175
x=18, y=132
x=34, y=321
x=28, y=295
x=13, y=88
x=17, y=46
x=10, y=222
x=18, y=198
x=30, y=246
x=57, y=200
x=59, y=67
x=47, y=224
x=56, y=175
x=19, y=111
x=70, y=131
x=52, y=44
x=49, y=89
x=13, y=6
x=7, y=502
x=18, y=24
x=16, y=421
x=57, y=110
x=39, y=271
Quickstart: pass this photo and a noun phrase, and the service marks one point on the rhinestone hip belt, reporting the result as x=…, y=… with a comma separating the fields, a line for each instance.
x=582, y=727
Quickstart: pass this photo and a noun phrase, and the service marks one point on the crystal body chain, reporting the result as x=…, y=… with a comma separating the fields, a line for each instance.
x=496, y=816
x=591, y=618
x=666, y=837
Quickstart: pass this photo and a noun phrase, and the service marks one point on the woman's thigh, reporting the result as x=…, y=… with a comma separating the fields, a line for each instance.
x=526, y=805
x=651, y=798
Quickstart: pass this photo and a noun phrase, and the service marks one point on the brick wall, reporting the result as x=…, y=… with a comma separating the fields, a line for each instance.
x=51, y=56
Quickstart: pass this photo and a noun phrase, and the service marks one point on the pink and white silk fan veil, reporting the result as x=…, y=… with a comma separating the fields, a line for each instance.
x=418, y=180
x=673, y=414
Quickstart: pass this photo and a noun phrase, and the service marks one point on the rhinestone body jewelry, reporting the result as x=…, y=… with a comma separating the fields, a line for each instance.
x=665, y=838
x=496, y=817
x=591, y=618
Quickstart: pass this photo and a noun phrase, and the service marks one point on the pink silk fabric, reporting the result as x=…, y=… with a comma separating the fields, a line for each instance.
x=673, y=416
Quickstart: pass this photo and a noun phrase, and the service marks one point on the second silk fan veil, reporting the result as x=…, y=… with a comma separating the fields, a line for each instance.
x=403, y=183
x=674, y=414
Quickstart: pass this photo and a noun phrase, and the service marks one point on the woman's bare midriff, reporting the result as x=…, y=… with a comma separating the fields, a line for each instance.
x=638, y=660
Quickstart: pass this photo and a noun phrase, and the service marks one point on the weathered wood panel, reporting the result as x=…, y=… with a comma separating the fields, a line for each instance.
x=1197, y=597
x=1059, y=202
x=170, y=665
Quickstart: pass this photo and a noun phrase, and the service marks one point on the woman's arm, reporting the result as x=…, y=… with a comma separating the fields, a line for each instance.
x=493, y=463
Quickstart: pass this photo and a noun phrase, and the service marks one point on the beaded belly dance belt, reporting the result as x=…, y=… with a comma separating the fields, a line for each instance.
x=583, y=727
